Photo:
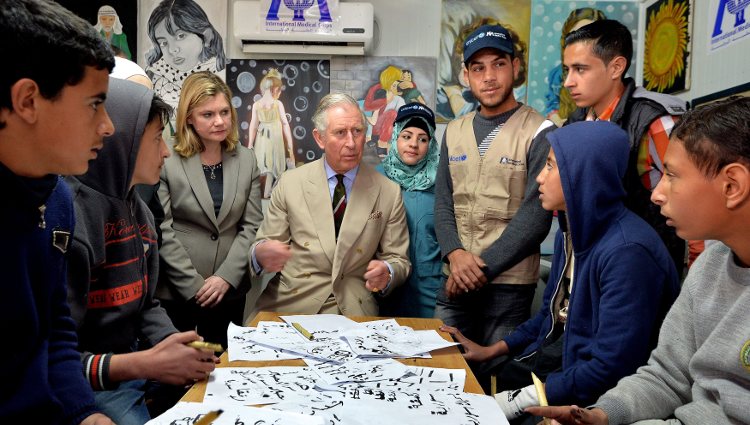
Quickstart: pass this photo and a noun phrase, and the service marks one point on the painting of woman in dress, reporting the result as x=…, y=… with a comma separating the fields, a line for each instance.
x=269, y=133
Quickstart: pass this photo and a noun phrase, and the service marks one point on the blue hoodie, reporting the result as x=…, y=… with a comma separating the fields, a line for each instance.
x=623, y=282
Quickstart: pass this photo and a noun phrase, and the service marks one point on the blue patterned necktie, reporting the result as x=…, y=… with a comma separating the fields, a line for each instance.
x=339, y=203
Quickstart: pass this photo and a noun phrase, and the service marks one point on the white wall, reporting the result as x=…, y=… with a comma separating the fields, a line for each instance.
x=407, y=27
x=710, y=72
x=412, y=28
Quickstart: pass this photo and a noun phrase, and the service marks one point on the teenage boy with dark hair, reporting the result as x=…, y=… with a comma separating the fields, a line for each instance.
x=114, y=266
x=595, y=60
x=488, y=219
x=52, y=121
x=699, y=373
x=611, y=284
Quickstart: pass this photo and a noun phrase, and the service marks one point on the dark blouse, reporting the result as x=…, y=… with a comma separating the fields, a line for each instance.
x=215, y=180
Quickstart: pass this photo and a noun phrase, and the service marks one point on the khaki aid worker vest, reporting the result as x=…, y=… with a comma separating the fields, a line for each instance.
x=488, y=190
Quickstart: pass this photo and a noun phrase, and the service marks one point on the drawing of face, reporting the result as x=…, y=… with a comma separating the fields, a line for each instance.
x=394, y=87
x=108, y=22
x=181, y=50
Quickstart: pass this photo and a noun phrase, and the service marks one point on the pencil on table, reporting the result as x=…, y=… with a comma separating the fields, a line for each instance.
x=202, y=345
x=302, y=330
x=208, y=417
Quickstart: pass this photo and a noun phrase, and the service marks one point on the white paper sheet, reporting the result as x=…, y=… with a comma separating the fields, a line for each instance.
x=283, y=336
x=326, y=405
x=424, y=409
x=256, y=386
x=242, y=347
x=357, y=370
x=384, y=325
x=435, y=379
x=188, y=413
x=402, y=341
x=322, y=325
x=345, y=389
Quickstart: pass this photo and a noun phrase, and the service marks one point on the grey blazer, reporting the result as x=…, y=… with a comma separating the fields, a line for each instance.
x=196, y=243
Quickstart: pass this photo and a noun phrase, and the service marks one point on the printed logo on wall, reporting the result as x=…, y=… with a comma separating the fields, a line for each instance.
x=729, y=24
x=299, y=15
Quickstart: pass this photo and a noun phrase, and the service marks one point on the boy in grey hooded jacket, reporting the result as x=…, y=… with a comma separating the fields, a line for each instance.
x=114, y=265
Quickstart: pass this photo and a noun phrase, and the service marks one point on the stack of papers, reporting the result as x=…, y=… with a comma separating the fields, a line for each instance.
x=351, y=378
x=354, y=393
x=330, y=338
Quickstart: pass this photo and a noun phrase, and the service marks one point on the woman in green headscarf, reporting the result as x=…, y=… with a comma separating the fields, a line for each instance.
x=412, y=163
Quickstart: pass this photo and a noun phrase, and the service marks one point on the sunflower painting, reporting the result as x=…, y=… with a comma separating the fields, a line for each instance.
x=666, y=58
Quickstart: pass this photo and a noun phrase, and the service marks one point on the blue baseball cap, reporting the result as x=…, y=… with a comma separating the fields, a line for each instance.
x=492, y=36
x=413, y=110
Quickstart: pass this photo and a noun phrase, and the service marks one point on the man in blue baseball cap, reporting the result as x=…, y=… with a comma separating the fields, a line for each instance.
x=488, y=36
x=488, y=218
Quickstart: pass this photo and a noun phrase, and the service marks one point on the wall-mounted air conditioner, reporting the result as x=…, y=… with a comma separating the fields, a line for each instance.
x=349, y=32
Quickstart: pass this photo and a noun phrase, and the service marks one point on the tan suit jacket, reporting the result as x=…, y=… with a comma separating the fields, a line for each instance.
x=198, y=244
x=373, y=227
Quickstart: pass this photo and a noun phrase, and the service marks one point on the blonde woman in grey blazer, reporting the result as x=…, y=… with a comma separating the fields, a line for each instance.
x=210, y=192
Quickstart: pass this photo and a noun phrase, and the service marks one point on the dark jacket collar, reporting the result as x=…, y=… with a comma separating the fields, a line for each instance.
x=23, y=193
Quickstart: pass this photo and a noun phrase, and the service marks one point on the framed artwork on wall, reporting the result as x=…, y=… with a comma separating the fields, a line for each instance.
x=383, y=84
x=268, y=95
x=116, y=21
x=666, y=57
x=741, y=90
x=178, y=38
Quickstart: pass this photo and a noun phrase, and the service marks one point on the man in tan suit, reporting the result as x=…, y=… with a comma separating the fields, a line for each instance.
x=316, y=271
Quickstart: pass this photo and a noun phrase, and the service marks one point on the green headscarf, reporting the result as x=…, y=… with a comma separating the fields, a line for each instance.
x=420, y=176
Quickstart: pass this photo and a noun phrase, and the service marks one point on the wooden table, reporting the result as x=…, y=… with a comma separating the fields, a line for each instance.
x=449, y=357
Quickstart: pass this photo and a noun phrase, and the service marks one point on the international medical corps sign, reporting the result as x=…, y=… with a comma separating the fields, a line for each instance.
x=728, y=22
x=299, y=15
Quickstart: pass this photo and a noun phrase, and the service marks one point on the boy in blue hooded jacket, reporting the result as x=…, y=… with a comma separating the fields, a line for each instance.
x=611, y=284
x=699, y=373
